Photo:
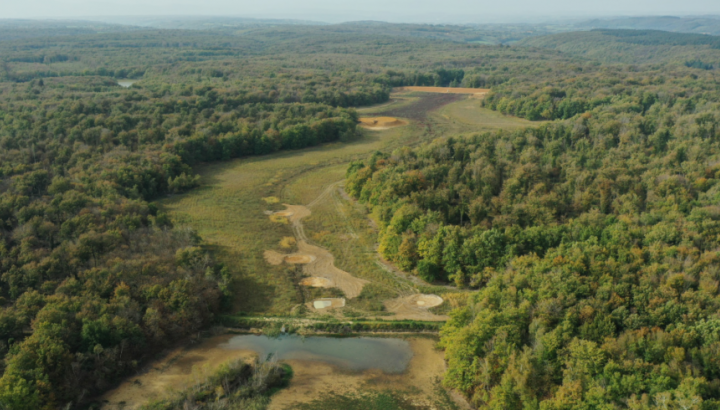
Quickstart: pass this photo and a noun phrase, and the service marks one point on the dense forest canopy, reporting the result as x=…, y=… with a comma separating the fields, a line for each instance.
x=634, y=46
x=686, y=24
x=93, y=277
x=589, y=243
x=592, y=240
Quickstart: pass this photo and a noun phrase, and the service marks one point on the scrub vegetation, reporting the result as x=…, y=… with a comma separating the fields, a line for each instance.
x=235, y=385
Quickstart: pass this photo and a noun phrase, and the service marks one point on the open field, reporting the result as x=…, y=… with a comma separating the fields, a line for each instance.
x=274, y=220
x=445, y=90
x=381, y=123
x=468, y=114
x=268, y=254
x=418, y=109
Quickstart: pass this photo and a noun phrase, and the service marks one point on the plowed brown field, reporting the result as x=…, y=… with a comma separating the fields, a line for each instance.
x=381, y=123
x=445, y=90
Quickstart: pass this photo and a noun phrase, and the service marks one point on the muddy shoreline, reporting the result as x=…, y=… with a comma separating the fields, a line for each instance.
x=186, y=365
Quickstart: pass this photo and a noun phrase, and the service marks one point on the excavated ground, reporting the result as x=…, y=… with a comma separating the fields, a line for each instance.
x=318, y=263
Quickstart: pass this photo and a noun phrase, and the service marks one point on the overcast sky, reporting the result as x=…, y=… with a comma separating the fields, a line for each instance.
x=431, y=11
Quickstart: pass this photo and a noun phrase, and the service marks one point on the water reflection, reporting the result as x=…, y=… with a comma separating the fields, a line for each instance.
x=356, y=353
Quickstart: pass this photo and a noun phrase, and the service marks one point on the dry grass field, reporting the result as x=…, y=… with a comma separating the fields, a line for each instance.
x=381, y=123
x=236, y=209
x=468, y=114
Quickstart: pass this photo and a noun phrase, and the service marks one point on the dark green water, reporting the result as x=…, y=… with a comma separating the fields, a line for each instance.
x=356, y=353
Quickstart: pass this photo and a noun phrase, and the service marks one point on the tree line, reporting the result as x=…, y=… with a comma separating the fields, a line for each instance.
x=590, y=243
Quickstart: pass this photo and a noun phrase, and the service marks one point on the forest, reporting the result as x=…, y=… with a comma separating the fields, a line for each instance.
x=94, y=278
x=588, y=245
x=591, y=240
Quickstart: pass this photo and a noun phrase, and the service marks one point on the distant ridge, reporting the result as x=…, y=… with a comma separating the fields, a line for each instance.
x=635, y=46
x=12, y=29
x=199, y=22
x=696, y=25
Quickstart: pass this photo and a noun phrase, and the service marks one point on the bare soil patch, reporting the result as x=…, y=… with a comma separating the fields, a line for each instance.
x=177, y=370
x=324, y=267
x=326, y=303
x=297, y=212
x=317, y=282
x=323, y=264
x=417, y=110
x=277, y=258
x=445, y=90
x=415, y=307
x=297, y=259
x=381, y=123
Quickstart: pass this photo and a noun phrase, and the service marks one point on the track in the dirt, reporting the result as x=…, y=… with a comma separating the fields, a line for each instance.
x=418, y=110
x=322, y=272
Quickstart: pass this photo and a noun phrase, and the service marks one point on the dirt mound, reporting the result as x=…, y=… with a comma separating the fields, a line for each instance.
x=324, y=267
x=276, y=258
x=299, y=259
x=295, y=212
x=415, y=307
x=317, y=282
x=325, y=303
x=428, y=301
x=322, y=264
x=381, y=123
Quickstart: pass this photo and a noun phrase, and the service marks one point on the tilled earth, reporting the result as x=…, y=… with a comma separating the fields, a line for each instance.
x=419, y=109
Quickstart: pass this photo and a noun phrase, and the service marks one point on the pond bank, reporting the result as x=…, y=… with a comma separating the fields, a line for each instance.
x=416, y=366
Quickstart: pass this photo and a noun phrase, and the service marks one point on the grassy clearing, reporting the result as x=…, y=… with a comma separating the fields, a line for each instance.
x=341, y=226
x=397, y=100
x=387, y=400
x=468, y=115
x=228, y=209
x=382, y=400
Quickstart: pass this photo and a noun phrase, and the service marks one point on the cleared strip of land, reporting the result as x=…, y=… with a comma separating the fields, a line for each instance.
x=444, y=90
x=380, y=123
x=235, y=207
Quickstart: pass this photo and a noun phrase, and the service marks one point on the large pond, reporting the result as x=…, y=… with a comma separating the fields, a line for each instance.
x=357, y=353
x=126, y=83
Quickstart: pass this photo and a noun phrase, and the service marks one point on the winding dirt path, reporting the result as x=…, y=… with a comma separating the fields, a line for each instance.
x=415, y=307
x=323, y=264
x=319, y=264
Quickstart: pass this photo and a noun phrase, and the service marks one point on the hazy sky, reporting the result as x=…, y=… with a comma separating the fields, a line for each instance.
x=432, y=11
